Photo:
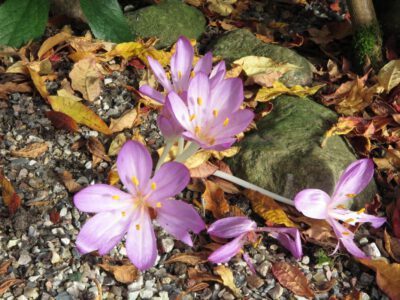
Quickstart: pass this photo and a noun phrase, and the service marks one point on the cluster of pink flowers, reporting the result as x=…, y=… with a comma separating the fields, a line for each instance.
x=203, y=107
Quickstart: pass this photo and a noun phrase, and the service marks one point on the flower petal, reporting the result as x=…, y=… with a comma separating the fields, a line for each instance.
x=353, y=180
x=152, y=93
x=134, y=166
x=102, y=197
x=234, y=124
x=198, y=99
x=181, y=64
x=168, y=181
x=226, y=252
x=160, y=74
x=179, y=110
x=288, y=237
x=204, y=65
x=169, y=126
x=102, y=232
x=352, y=217
x=178, y=218
x=231, y=227
x=141, y=243
x=218, y=74
x=312, y=203
x=226, y=97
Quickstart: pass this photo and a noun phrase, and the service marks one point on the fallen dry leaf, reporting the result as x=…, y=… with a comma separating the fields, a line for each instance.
x=79, y=112
x=126, y=273
x=13, y=87
x=192, y=259
x=31, y=151
x=113, y=177
x=387, y=276
x=69, y=182
x=4, y=267
x=38, y=81
x=10, y=197
x=215, y=201
x=6, y=284
x=201, y=276
x=62, y=121
x=292, y=278
x=203, y=171
x=116, y=144
x=97, y=149
x=86, y=78
x=227, y=279
x=392, y=246
x=319, y=232
x=126, y=121
x=278, y=88
x=53, y=41
x=54, y=216
x=389, y=75
x=221, y=7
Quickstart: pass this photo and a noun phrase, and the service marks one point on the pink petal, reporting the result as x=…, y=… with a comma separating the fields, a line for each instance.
x=169, y=126
x=169, y=181
x=231, y=227
x=102, y=197
x=141, y=243
x=237, y=123
x=198, y=98
x=249, y=263
x=352, y=217
x=312, y=203
x=204, y=65
x=353, y=180
x=218, y=73
x=227, y=97
x=220, y=144
x=152, y=93
x=160, y=74
x=102, y=232
x=179, y=109
x=288, y=237
x=226, y=252
x=181, y=64
x=134, y=164
x=178, y=218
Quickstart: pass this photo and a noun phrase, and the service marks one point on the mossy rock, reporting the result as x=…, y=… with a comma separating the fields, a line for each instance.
x=241, y=42
x=284, y=155
x=167, y=21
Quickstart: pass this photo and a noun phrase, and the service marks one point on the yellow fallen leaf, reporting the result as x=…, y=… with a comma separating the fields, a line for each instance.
x=278, y=88
x=125, y=121
x=227, y=279
x=116, y=144
x=53, y=41
x=38, y=81
x=18, y=67
x=342, y=127
x=220, y=155
x=253, y=65
x=86, y=78
x=221, y=7
x=65, y=93
x=79, y=112
x=389, y=75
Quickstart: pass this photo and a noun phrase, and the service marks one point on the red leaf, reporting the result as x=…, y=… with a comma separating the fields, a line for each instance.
x=54, y=216
x=62, y=121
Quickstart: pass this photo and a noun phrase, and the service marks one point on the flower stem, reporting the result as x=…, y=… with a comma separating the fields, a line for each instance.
x=181, y=143
x=188, y=152
x=164, y=154
x=251, y=186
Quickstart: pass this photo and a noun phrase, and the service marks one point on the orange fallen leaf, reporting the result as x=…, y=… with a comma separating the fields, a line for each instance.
x=126, y=273
x=13, y=87
x=126, y=121
x=215, y=200
x=113, y=177
x=69, y=182
x=79, y=112
x=201, y=276
x=292, y=278
x=189, y=258
x=97, y=149
x=32, y=151
x=53, y=41
x=10, y=197
x=62, y=121
x=6, y=284
x=392, y=246
x=4, y=267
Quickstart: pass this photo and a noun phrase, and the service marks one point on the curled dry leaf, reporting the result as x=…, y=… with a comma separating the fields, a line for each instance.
x=31, y=151
x=13, y=87
x=53, y=41
x=126, y=273
x=319, y=232
x=97, y=149
x=201, y=276
x=116, y=144
x=10, y=197
x=126, y=121
x=62, y=121
x=4, y=267
x=227, y=279
x=192, y=259
x=203, y=171
x=215, y=200
x=278, y=88
x=69, y=182
x=292, y=278
x=6, y=284
x=392, y=246
x=389, y=75
x=38, y=81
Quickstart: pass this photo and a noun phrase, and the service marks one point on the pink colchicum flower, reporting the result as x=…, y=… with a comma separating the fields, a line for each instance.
x=212, y=116
x=120, y=212
x=243, y=230
x=317, y=204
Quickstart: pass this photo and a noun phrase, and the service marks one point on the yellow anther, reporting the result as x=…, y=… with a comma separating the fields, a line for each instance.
x=361, y=211
x=123, y=213
x=341, y=206
x=197, y=130
x=192, y=117
x=215, y=112
x=350, y=220
x=345, y=233
x=212, y=141
x=158, y=204
x=192, y=74
x=226, y=122
x=179, y=75
x=137, y=226
x=199, y=101
x=153, y=186
x=135, y=180
x=116, y=197
x=351, y=195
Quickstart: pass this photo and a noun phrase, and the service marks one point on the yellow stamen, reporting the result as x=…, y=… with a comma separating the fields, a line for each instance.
x=361, y=211
x=137, y=226
x=226, y=122
x=153, y=186
x=135, y=180
x=192, y=74
x=350, y=220
x=351, y=195
x=158, y=204
x=215, y=112
x=197, y=130
x=179, y=75
x=123, y=213
x=192, y=117
x=115, y=197
x=212, y=141
x=345, y=233
x=199, y=101
x=341, y=206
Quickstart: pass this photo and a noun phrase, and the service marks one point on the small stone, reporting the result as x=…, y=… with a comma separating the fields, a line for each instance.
x=55, y=258
x=22, y=297
x=366, y=279
x=24, y=258
x=65, y=241
x=133, y=295
x=146, y=294
x=88, y=165
x=264, y=268
x=274, y=247
x=167, y=244
x=276, y=292
x=305, y=260
x=372, y=250
x=63, y=212
x=254, y=282
x=108, y=81
x=12, y=243
x=31, y=293
x=363, y=241
x=137, y=285
x=228, y=296
x=364, y=296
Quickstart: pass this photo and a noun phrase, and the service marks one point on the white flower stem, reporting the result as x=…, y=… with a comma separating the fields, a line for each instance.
x=181, y=144
x=188, y=152
x=251, y=186
x=164, y=154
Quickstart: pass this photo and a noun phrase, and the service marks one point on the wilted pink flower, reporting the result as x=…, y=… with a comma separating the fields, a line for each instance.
x=317, y=204
x=119, y=212
x=181, y=71
x=244, y=230
x=212, y=116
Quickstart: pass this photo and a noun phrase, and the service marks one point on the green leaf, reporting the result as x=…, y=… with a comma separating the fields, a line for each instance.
x=106, y=20
x=22, y=20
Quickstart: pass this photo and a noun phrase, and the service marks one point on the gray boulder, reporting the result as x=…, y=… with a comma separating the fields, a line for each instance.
x=284, y=154
x=167, y=21
x=241, y=42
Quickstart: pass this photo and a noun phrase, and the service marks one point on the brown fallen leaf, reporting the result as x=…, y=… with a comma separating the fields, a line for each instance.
x=79, y=112
x=126, y=273
x=86, y=78
x=204, y=170
x=292, y=278
x=31, y=151
x=10, y=197
x=69, y=182
x=227, y=279
x=126, y=121
x=113, y=177
x=53, y=41
x=116, y=144
x=62, y=121
x=319, y=232
x=4, y=267
x=201, y=276
x=392, y=246
x=387, y=276
x=268, y=209
x=54, y=216
x=192, y=259
x=214, y=200
x=97, y=149
x=13, y=87
x=6, y=284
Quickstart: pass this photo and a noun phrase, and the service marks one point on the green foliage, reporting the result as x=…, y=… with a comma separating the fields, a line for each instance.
x=106, y=20
x=322, y=258
x=22, y=20
x=367, y=44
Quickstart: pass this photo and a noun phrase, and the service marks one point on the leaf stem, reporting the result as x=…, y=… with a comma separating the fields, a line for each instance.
x=164, y=154
x=188, y=152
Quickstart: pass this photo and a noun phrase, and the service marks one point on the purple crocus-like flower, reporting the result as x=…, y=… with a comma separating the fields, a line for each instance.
x=317, y=204
x=212, y=116
x=118, y=212
x=243, y=230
